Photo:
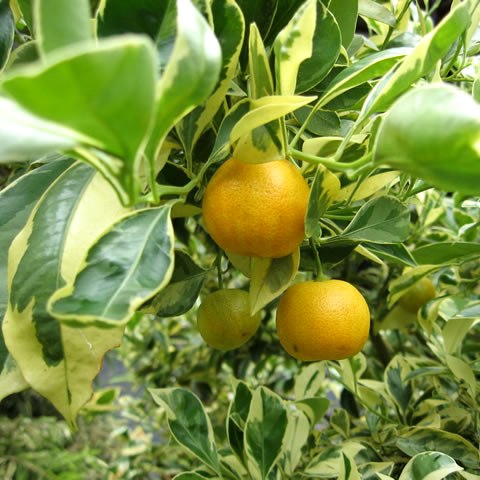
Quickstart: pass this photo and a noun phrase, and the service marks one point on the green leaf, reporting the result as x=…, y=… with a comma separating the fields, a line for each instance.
x=179, y=296
x=429, y=466
x=314, y=407
x=26, y=8
x=398, y=387
x=193, y=476
x=326, y=48
x=433, y=133
x=237, y=418
x=127, y=266
x=345, y=13
x=415, y=440
x=309, y=381
x=18, y=201
x=366, y=69
x=340, y=422
x=380, y=220
x=125, y=16
x=264, y=432
x=270, y=277
x=69, y=25
x=462, y=371
x=188, y=423
x=376, y=11
x=396, y=253
x=17, y=124
x=323, y=123
x=190, y=76
x=348, y=469
x=7, y=31
x=59, y=362
x=323, y=192
x=293, y=45
x=101, y=100
x=421, y=61
x=454, y=332
x=368, y=187
x=261, y=80
x=296, y=436
x=229, y=29
x=445, y=252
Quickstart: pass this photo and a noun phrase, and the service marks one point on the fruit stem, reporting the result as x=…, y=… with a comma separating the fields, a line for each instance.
x=318, y=264
x=328, y=162
x=218, y=263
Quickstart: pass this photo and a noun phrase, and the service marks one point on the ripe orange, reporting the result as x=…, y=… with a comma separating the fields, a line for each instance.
x=224, y=320
x=418, y=295
x=256, y=209
x=327, y=320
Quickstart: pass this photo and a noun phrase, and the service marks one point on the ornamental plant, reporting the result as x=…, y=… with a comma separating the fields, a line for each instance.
x=154, y=153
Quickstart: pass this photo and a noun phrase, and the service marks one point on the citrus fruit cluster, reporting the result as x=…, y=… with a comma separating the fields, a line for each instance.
x=259, y=210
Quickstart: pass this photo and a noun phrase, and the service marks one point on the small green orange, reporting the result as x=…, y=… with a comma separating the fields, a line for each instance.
x=224, y=320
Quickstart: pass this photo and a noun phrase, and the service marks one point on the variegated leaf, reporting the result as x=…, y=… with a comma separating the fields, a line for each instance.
x=421, y=61
x=429, y=466
x=296, y=436
x=265, y=431
x=229, y=27
x=193, y=68
x=57, y=361
x=293, y=45
x=189, y=423
x=415, y=440
x=18, y=200
x=270, y=277
x=127, y=266
x=257, y=138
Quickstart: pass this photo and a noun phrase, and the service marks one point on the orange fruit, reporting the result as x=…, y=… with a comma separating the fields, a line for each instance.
x=256, y=209
x=417, y=295
x=224, y=320
x=327, y=320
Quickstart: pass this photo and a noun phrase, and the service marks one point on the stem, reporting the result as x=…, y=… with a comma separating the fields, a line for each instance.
x=305, y=123
x=318, y=263
x=392, y=29
x=218, y=263
x=329, y=162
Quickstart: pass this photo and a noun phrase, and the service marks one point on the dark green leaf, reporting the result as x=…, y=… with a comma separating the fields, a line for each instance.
x=179, y=296
x=380, y=220
x=125, y=16
x=323, y=123
x=446, y=252
x=7, y=30
x=345, y=13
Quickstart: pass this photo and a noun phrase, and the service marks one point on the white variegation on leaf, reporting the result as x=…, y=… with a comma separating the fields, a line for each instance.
x=57, y=361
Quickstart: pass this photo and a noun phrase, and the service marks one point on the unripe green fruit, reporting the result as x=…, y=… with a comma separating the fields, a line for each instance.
x=418, y=295
x=224, y=320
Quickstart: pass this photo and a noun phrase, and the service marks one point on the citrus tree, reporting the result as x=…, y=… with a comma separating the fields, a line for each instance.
x=294, y=180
